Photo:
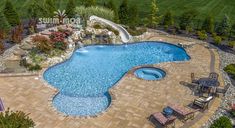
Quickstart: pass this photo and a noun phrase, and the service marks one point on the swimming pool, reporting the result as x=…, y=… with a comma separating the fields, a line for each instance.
x=150, y=73
x=84, y=79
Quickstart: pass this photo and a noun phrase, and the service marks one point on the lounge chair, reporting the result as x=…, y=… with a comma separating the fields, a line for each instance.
x=158, y=117
x=1, y=105
x=184, y=113
x=203, y=102
x=213, y=75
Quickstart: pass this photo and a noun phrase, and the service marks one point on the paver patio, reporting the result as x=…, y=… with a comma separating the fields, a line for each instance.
x=134, y=99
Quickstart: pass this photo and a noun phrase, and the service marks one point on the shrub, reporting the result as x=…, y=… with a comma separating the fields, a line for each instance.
x=57, y=36
x=97, y=26
x=222, y=122
x=42, y=43
x=1, y=47
x=202, y=35
x=17, y=119
x=137, y=32
x=231, y=43
x=66, y=32
x=230, y=69
x=60, y=45
x=217, y=40
x=35, y=67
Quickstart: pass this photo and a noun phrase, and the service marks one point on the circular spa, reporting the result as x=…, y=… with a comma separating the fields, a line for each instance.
x=84, y=80
x=150, y=73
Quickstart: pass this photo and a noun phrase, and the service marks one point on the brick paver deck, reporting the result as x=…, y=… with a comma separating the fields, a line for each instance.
x=135, y=99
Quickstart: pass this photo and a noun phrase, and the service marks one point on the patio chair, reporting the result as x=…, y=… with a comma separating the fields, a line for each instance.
x=184, y=113
x=203, y=102
x=159, y=118
x=193, y=78
x=213, y=75
x=1, y=105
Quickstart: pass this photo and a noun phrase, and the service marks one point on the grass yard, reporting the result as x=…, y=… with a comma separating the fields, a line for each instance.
x=216, y=8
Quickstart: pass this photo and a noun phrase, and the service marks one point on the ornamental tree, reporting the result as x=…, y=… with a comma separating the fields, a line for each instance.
x=133, y=16
x=11, y=14
x=154, y=17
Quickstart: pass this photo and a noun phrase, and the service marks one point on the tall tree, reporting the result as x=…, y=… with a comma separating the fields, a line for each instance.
x=154, y=16
x=11, y=14
x=186, y=19
x=49, y=6
x=224, y=27
x=88, y=3
x=208, y=25
x=70, y=8
x=123, y=12
x=4, y=26
x=112, y=6
x=133, y=16
x=168, y=20
x=35, y=10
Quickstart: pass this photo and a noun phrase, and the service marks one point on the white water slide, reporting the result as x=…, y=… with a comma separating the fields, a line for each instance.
x=125, y=36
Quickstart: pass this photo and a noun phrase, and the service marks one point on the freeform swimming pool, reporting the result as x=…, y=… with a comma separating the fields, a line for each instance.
x=84, y=79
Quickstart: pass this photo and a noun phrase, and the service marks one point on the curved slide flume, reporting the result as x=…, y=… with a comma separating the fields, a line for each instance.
x=125, y=36
x=83, y=81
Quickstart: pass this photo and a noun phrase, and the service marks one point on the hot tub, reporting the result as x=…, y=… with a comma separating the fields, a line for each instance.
x=150, y=73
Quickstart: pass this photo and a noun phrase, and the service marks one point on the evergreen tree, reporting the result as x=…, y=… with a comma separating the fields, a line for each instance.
x=224, y=27
x=70, y=8
x=49, y=6
x=11, y=14
x=186, y=20
x=154, y=18
x=4, y=26
x=34, y=10
x=168, y=19
x=123, y=12
x=88, y=3
x=112, y=6
x=133, y=16
x=208, y=25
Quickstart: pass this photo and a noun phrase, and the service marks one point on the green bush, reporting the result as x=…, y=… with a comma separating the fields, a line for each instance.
x=17, y=119
x=97, y=26
x=202, y=35
x=137, y=32
x=217, y=40
x=231, y=43
x=222, y=122
x=35, y=67
x=230, y=69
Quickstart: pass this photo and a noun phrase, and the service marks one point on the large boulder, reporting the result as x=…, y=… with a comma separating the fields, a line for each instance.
x=26, y=46
x=14, y=58
x=19, y=52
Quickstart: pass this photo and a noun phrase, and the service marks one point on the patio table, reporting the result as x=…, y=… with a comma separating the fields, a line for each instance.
x=208, y=82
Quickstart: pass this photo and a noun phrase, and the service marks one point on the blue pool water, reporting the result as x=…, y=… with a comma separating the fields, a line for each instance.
x=149, y=73
x=84, y=79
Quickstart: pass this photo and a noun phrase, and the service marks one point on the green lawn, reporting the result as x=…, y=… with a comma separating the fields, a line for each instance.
x=216, y=8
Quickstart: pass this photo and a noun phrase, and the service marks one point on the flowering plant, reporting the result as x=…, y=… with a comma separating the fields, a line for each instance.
x=57, y=36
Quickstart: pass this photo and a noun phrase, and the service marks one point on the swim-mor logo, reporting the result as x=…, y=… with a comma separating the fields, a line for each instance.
x=60, y=18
